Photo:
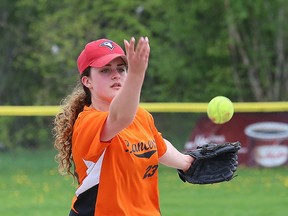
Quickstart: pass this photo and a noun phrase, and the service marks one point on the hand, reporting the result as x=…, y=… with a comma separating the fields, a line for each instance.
x=137, y=57
x=189, y=161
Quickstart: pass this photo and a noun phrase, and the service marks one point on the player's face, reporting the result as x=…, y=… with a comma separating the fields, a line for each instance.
x=108, y=80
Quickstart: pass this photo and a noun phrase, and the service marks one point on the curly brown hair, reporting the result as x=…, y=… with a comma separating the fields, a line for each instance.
x=64, y=121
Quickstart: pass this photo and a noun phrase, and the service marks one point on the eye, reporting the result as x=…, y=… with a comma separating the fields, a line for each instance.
x=105, y=70
x=121, y=70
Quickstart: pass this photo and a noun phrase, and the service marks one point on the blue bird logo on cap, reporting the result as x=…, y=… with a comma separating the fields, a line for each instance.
x=107, y=44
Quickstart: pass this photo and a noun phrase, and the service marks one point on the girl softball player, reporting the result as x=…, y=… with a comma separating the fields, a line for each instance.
x=111, y=142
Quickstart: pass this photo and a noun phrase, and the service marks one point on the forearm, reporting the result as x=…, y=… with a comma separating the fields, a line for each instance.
x=124, y=105
x=175, y=159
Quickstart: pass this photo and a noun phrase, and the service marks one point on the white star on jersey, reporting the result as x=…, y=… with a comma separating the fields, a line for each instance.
x=93, y=175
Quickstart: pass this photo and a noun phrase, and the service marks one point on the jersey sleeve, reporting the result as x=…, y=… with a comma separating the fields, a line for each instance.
x=86, y=135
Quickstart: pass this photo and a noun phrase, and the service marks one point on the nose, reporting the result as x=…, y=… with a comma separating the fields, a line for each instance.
x=115, y=75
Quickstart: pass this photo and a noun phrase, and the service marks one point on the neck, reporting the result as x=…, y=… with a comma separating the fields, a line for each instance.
x=100, y=105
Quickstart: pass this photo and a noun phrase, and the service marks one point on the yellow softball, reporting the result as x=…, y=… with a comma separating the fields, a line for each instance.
x=220, y=110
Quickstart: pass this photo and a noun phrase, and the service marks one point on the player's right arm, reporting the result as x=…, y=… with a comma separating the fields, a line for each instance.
x=124, y=105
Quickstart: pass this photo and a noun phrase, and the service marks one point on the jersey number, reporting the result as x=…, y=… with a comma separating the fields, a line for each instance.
x=150, y=171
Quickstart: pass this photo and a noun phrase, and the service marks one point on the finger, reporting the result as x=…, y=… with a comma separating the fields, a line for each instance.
x=132, y=44
x=127, y=45
x=144, y=48
x=147, y=44
x=139, y=45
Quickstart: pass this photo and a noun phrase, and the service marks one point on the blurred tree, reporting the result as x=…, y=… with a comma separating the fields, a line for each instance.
x=258, y=48
x=8, y=44
x=189, y=60
x=189, y=57
x=196, y=47
x=59, y=33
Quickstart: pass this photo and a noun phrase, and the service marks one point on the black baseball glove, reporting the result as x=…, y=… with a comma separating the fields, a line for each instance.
x=213, y=163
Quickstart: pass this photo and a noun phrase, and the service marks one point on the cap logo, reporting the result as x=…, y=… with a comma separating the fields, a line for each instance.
x=107, y=44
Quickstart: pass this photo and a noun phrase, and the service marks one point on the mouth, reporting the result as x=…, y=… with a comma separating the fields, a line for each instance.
x=116, y=85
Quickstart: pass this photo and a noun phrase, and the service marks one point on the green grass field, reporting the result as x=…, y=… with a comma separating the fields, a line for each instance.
x=30, y=185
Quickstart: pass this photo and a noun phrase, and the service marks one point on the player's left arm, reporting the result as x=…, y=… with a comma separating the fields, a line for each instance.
x=175, y=159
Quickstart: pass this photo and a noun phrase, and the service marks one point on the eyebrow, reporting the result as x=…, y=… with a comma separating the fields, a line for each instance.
x=117, y=65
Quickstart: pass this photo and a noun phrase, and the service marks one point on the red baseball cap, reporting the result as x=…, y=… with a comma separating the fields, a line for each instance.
x=99, y=53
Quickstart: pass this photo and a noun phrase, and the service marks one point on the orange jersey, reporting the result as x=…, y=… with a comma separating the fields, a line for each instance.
x=119, y=177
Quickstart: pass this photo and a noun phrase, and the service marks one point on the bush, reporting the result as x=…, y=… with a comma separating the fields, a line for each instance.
x=25, y=132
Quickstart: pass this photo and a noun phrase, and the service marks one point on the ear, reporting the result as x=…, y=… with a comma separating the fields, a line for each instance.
x=86, y=81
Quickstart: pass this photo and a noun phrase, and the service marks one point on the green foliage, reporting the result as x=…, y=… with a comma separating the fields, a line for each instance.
x=189, y=53
x=27, y=132
x=257, y=33
x=199, y=49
